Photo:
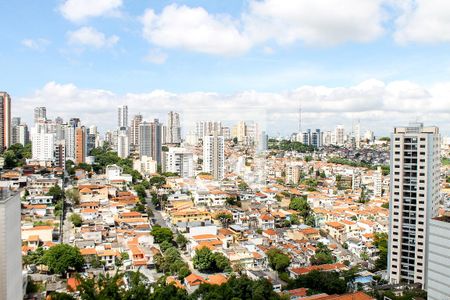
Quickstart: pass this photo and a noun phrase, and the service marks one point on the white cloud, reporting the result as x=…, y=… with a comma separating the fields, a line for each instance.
x=156, y=56
x=39, y=44
x=79, y=10
x=379, y=105
x=314, y=22
x=90, y=37
x=423, y=21
x=194, y=29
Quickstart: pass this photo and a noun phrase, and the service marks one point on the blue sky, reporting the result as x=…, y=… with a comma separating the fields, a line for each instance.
x=190, y=49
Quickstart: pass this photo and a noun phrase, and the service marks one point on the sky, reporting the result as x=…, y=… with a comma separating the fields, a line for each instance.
x=383, y=62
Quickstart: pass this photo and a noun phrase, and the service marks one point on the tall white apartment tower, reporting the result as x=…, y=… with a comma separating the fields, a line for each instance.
x=180, y=161
x=10, y=247
x=123, y=145
x=213, y=155
x=40, y=113
x=134, y=130
x=339, y=134
x=415, y=172
x=122, y=116
x=378, y=182
x=173, y=129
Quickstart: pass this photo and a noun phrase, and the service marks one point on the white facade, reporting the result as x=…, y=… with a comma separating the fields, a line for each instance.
x=377, y=183
x=173, y=129
x=42, y=146
x=438, y=263
x=415, y=177
x=122, y=116
x=70, y=142
x=214, y=156
x=123, y=145
x=180, y=161
x=145, y=165
x=11, y=280
x=134, y=130
x=339, y=134
x=204, y=128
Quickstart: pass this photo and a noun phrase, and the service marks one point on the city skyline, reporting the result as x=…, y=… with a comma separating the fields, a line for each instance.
x=381, y=61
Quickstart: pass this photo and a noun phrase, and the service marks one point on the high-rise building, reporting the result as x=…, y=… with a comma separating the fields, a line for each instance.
x=357, y=134
x=263, y=143
x=91, y=138
x=438, y=262
x=214, y=155
x=150, y=136
x=293, y=172
x=204, y=128
x=11, y=279
x=42, y=145
x=60, y=154
x=15, y=121
x=173, y=128
x=339, y=134
x=180, y=161
x=5, y=121
x=306, y=137
x=122, y=116
x=317, y=138
x=80, y=145
x=378, y=182
x=40, y=113
x=123, y=145
x=415, y=176
x=134, y=131
x=19, y=132
x=70, y=141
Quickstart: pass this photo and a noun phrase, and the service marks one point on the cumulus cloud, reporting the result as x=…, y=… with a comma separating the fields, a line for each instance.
x=423, y=21
x=194, y=29
x=39, y=44
x=79, y=10
x=90, y=37
x=313, y=22
x=379, y=105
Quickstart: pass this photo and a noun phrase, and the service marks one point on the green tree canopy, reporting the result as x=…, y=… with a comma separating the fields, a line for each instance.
x=76, y=220
x=56, y=192
x=162, y=234
x=62, y=258
x=278, y=260
x=207, y=261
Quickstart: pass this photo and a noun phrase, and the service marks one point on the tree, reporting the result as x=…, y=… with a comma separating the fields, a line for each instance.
x=157, y=181
x=76, y=220
x=221, y=263
x=161, y=234
x=35, y=257
x=203, y=259
x=207, y=261
x=62, y=258
x=381, y=242
x=322, y=256
x=301, y=205
x=181, y=241
x=329, y=282
x=61, y=296
x=278, y=260
x=165, y=245
x=56, y=192
x=73, y=195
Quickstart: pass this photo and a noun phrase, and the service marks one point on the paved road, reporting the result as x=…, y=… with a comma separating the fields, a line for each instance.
x=157, y=214
x=67, y=228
